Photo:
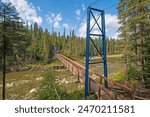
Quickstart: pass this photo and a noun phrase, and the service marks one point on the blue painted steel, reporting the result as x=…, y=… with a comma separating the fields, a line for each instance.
x=96, y=62
x=102, y=36
x=96, y=9
x=87, y=54
x=95, y=34
x=104, y=48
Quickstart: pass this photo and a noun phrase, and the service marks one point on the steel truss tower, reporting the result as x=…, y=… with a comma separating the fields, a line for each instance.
x=95, y=30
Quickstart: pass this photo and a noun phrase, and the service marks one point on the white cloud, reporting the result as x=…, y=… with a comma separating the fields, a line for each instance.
x=111, y=23
x=116, y=36
x=26, y=10
x=39, y=8
x=66, y=25
x=56, y=25
x=83, y=7
x=82, y=30
x=78, y=13
x=55, y=19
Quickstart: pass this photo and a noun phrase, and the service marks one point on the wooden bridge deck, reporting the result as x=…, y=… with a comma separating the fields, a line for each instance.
x=115, y=90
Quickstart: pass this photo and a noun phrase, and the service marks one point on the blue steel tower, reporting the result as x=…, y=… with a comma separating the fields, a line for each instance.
x=95, y=18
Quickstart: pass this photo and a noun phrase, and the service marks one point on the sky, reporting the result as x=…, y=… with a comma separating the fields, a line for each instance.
x=67, y=14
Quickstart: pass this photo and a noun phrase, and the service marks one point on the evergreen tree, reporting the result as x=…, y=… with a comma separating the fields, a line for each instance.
x=134, y=20
x=12, y=37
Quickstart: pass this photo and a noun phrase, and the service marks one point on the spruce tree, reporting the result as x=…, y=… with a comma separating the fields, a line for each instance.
x=11, y=38
x=134, y=20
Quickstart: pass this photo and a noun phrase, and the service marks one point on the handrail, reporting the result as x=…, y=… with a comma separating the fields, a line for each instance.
x=81, y=68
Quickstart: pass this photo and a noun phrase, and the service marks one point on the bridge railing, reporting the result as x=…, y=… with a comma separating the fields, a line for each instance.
x=115, y=91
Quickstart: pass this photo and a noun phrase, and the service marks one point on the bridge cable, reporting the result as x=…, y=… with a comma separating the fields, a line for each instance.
x=111, y=6
x=80, y=21
x=94, y=2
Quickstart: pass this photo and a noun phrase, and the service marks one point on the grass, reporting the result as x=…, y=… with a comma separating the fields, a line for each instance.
x=54, y=62
x=120, y=76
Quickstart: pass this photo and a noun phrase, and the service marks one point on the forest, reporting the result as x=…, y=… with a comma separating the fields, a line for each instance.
x=22, y=44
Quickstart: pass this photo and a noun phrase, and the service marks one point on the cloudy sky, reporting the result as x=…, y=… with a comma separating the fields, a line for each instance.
x=66, y=13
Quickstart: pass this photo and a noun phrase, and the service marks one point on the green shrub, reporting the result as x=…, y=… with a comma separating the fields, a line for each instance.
x=133, y=74
x=119, y=77
x=130, y=75
x=51, y=90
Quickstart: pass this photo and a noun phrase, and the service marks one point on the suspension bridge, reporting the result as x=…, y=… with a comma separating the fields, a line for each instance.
x=97, y=84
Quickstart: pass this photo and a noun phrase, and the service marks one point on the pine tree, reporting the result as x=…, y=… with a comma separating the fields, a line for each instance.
x=123, y=30
x=12, y=37
x=134, y=20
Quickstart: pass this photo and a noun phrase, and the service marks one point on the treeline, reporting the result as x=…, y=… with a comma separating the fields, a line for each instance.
x=114, y=46
x=134, y=16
